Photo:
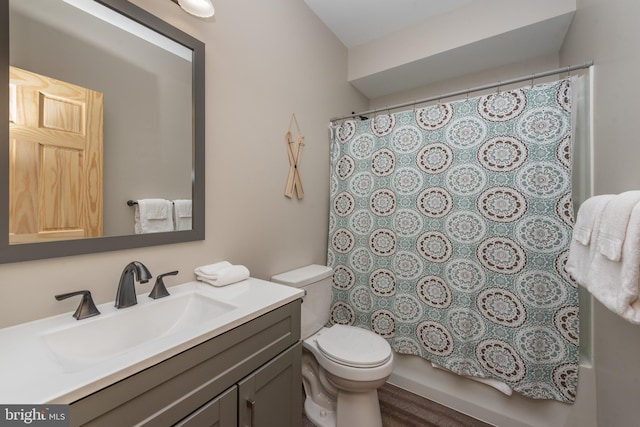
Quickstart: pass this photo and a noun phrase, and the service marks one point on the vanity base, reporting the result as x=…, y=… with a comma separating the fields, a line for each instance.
x=257, y=362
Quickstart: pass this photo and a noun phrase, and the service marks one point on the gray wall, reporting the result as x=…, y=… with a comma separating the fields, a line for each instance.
x=264, y=61
x=607, y=31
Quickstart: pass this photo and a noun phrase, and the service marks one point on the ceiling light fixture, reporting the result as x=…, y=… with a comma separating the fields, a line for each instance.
x=199, y=8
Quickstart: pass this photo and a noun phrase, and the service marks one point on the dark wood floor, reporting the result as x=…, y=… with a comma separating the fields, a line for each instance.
x=401, y=408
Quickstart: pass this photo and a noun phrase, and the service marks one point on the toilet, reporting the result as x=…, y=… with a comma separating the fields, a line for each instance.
x=342, y=366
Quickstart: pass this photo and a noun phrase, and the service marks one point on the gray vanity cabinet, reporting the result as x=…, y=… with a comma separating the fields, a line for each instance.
x=266, y=397
x=249, y=376
x=220, y=412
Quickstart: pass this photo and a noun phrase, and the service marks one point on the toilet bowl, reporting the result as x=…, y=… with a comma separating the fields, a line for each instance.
x=342, y=366
x=355, y=362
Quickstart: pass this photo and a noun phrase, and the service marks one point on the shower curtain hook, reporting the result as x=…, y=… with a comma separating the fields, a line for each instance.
x=569, y=71
x=533, y=76
x=498, y=92
x=467, y=95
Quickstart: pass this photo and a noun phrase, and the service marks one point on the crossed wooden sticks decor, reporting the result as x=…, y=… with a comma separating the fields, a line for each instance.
x=294, y=149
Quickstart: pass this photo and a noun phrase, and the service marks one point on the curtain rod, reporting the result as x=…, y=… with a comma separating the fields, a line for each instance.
x=475, y=89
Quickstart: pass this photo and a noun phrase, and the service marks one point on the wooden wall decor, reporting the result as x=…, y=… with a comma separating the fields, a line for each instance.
x=294, y=150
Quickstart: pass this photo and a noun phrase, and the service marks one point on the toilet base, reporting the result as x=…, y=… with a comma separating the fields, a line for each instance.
x=358, y=409
x=353, y=410
x=320, y=416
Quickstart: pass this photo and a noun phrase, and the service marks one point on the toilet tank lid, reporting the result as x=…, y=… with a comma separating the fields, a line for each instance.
x=303, y=276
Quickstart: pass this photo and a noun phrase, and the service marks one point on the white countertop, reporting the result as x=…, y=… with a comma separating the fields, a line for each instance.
x=31, y=374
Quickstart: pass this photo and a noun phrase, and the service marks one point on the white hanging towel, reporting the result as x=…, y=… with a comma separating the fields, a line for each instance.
x=153, y=216
x=583, y=243
x=182, y=214
x=613, y=226
x=615, y=283
x=222, y=273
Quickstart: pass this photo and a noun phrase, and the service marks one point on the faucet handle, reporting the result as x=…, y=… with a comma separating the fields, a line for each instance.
x=159, y=289
x=86, y=308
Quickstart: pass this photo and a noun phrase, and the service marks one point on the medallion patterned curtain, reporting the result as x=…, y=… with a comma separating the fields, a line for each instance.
x=449, y=232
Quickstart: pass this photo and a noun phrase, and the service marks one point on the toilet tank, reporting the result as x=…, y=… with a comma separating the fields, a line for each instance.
x=316, y=280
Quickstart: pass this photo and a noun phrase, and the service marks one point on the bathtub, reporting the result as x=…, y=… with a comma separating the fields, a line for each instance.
x=487, y=404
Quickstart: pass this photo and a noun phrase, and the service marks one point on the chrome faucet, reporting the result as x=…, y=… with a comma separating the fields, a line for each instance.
x=126, y=295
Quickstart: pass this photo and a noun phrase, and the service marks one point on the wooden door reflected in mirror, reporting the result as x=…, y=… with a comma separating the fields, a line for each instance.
x=55, y=152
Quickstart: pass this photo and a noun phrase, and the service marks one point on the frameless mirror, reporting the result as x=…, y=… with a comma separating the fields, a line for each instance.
x=106, y=105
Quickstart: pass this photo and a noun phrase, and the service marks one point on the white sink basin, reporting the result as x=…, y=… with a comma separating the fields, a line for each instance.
x=60, y=359
x=87, y=341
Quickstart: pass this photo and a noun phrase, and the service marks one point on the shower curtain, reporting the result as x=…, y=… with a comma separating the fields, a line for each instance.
x=449, y=231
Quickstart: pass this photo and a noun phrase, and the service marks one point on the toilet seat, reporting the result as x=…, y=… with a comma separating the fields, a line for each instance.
x=352, y=346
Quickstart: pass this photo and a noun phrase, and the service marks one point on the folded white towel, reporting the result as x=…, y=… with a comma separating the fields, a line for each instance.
x=222, y=273
x=616, y=284
x=585, y=232
x=498, y=385
x=153, y=216
x=210, y=270
x=613, y=226
x=182, y=213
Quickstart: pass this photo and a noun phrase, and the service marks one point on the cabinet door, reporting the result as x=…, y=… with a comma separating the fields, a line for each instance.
x=219, y=412
x=272, y=395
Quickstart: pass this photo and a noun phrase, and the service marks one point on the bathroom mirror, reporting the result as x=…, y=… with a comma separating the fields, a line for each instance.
x=151, y=77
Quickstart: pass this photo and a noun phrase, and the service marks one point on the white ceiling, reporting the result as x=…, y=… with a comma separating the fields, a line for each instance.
x=396, y=45
x=356, y=22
